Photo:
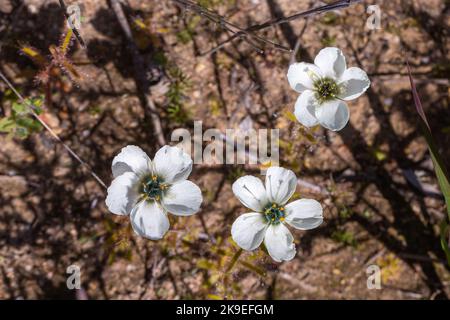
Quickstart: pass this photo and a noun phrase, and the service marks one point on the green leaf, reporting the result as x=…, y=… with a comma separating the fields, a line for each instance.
x=7, y=125
x=22, y=132
x=439, y=168
x=444, y=242
x=205, y=264
x=253, y=268
x=379, y=155
x=36, y=103
x=19, y=108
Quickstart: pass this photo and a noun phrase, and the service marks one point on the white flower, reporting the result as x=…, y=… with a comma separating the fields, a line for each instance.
x=148, y=190
x=267, y=222
x=324, y=87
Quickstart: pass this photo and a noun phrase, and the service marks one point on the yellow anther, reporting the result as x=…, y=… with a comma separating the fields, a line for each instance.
x=274, y=205
x=154, y=178
x=281, y=208
x=282, y=219
x=157, y=198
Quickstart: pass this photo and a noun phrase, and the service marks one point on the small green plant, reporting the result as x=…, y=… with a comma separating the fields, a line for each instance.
x=187, y=33
x=175, y=96
x=330, y=18
x=226, y=259
x=117, y=242
x=345, y=237
x=184, y=36
x=345, y=213
x=328, y=40
x=20, y=122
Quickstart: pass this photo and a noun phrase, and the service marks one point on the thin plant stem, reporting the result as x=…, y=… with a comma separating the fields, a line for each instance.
x=234, y=260
x=248, y=34
x=31, y=109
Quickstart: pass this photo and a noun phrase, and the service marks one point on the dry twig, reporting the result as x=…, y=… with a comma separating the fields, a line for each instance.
x=249, y=34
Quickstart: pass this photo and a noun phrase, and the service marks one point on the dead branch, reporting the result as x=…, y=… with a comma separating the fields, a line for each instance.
x=248, y=34
x=233, y=28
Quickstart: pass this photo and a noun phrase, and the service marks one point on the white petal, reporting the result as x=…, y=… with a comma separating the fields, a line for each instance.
x=280, y=184
x=123, y=193
x=305, y=109
x=354, y=82
x=301, y=76
x=149, y=220
x=172, y=164
x=131, y=159
x=304, y=214
x=183, y=198
x=333, y=115
x=250, y=191
x=280, y=243
x=331, y=62
x=248, y=230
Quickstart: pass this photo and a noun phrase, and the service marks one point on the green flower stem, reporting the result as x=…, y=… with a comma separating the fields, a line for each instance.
x=234, y=260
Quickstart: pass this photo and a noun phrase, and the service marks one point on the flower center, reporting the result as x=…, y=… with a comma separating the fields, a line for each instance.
x=326, y=89
x=153, y=188
x=274, y=214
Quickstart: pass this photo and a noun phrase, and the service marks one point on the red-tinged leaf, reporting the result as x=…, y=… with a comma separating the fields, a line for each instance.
x=416, y=98
x=439, y=168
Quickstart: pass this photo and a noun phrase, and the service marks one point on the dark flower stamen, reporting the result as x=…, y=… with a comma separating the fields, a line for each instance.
x=326, y=89
x=274, y=214
x=153, y=188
